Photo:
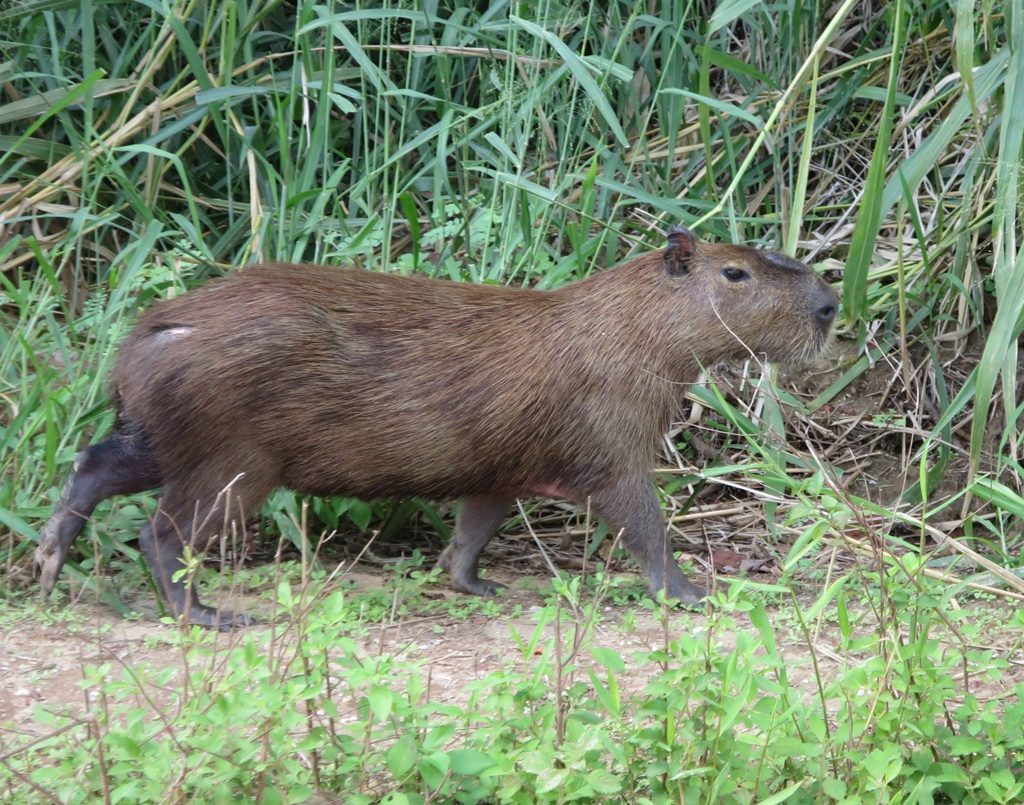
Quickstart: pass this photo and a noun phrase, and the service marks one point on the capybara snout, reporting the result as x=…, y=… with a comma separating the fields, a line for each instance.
x=340, y=381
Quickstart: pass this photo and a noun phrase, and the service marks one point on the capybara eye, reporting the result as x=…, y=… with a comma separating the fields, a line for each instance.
x=735, y=274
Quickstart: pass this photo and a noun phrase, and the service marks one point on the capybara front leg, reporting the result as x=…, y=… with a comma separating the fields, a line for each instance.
x=634, y=509
x=477, y=521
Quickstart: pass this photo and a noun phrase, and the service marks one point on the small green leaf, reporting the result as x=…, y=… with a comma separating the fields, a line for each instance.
x=604, y=782
x=469, y=761
x=380, y=699
x=609, y=658
x=401, y=756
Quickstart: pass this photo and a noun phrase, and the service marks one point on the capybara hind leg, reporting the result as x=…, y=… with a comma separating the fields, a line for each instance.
x=163, y=547
x=477, y=521
x=118, y=466
x=634, y=508
x=179, y=523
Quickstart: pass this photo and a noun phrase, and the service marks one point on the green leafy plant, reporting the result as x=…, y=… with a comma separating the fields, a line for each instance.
x=145, y=148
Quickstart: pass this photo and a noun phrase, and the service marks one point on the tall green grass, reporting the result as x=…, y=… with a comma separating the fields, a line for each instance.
x=147, y=146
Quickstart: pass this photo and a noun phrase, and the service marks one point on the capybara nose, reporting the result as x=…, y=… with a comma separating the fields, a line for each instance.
x=826, y=313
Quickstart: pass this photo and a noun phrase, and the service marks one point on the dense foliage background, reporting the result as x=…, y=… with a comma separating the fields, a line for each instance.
x=145, y=146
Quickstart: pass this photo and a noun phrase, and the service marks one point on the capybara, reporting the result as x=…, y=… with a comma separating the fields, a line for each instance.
x=336, y=381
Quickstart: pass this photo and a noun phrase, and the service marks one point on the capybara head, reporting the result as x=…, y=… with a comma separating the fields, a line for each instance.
x=750, y=302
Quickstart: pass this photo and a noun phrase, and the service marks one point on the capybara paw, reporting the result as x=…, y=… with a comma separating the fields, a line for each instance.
x=685, y=593
x=477, y=586
x=49, y=560
x=223, y=620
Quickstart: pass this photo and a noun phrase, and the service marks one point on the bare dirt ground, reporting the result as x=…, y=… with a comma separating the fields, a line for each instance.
x=44, y=664
x=43, y=659
x=46, y=651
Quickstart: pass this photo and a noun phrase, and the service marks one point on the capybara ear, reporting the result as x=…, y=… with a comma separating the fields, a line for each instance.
x=679, y=251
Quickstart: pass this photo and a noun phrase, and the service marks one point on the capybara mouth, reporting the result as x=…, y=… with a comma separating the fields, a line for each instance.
x=813, y=349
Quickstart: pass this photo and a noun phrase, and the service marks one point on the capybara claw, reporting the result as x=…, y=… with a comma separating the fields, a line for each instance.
x=488, y=588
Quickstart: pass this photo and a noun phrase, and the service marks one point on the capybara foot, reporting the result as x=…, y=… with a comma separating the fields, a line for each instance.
x=684, y=592
x=463, y=573
x=478, y=586
x=49, y=558
x=221, y=619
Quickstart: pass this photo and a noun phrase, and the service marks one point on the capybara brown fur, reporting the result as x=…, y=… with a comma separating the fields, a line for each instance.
x=340, y=381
